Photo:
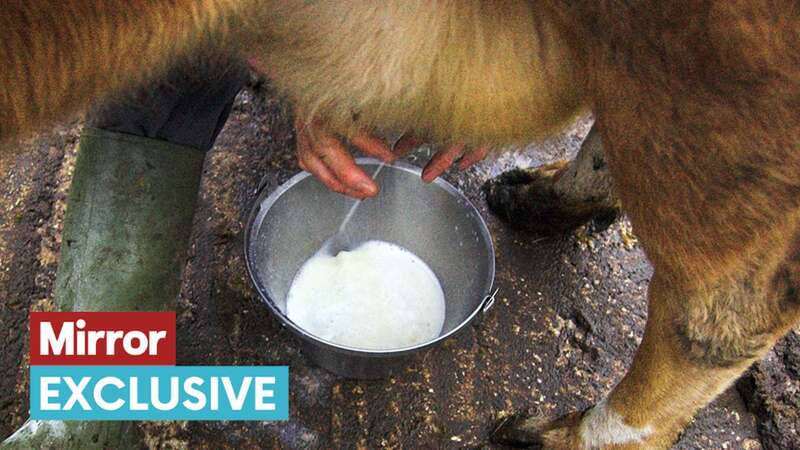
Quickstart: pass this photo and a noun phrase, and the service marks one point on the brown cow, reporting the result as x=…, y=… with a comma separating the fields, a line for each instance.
x=697, y=106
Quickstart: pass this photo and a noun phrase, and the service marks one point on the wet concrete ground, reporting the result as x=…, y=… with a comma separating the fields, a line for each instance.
x=568, y=318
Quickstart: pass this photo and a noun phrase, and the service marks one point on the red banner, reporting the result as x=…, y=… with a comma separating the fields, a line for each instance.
x=102, y=338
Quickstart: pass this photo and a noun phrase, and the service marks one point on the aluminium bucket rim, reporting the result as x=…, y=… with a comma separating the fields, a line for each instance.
x=265, y=202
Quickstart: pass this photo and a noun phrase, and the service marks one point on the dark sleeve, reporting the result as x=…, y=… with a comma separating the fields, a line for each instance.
x=189, y=106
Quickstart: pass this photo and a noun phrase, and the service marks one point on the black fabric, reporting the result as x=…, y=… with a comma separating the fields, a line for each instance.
x=187, y=107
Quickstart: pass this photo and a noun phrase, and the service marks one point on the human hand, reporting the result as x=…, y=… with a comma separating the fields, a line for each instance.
x=324, y=156
x=443, y=159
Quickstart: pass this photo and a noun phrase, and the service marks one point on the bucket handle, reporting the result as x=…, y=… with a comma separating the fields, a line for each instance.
x=488, y=301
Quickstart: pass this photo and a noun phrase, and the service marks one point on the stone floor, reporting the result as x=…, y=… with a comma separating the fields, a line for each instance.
x=569, y=315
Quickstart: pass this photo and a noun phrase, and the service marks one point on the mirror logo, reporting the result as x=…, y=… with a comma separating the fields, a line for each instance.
x=121, y=366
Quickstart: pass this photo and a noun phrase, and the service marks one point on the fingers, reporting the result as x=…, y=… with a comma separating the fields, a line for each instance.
x=327, y=159
x=404, y=146
x=373, y=147
x=314, y=166
x=472, y=157
x=344, y=168
x=440, y=162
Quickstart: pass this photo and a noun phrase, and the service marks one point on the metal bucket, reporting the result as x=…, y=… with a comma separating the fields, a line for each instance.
x=434, y=221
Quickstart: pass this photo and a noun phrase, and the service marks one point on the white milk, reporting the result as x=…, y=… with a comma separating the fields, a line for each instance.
x=379, y=296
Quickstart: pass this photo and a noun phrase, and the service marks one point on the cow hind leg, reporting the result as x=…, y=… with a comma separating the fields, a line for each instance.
x=696, y=343
x=557, y=198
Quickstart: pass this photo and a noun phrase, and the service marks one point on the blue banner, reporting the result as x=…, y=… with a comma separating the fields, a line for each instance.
x=159, y=392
